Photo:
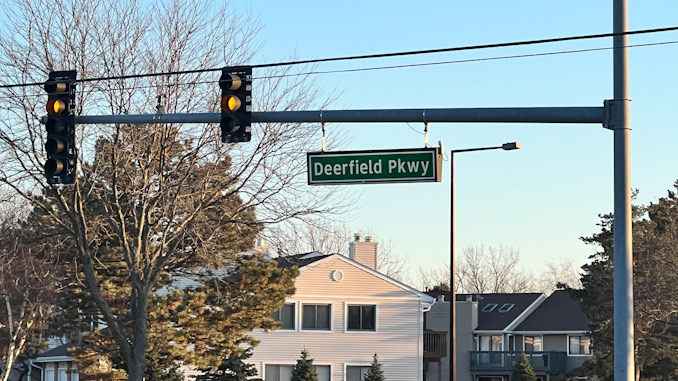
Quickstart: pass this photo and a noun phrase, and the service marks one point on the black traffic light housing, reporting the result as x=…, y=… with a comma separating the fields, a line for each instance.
x=236, y=104
x=60, y=167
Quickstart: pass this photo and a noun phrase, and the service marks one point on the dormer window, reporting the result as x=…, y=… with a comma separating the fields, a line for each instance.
x=506, y=307
x=490, y=307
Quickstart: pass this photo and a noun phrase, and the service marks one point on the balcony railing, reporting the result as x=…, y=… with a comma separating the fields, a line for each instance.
x=540, y=361
x=435, y=344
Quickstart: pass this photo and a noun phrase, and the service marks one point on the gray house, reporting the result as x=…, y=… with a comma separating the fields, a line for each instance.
x=493, y=329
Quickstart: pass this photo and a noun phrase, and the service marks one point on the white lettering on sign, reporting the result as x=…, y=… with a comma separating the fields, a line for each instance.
x=353, y=167
x=401, y=166
x=374, y=166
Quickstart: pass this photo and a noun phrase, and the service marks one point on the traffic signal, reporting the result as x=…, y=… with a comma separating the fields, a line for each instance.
x=60, y=144
x=236, y=104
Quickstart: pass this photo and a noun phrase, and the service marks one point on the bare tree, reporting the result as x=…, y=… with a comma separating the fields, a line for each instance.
x=560, y=273
x=329, y=237
x=391, y=262
x=321, y=235
x=495, y=270
x=479, y=270
x=435, y=277
x=170, y=197
x=27, y=288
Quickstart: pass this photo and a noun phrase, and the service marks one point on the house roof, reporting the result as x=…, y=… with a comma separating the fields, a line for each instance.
x=560, y=312
x=303, y=261
x=61, y=350
x=436, y=293
x=59, y=353
x=300, y=260
x=496, y=318
x=501, y=316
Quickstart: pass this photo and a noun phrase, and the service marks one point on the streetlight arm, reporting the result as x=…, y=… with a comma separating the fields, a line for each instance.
x=505, y=147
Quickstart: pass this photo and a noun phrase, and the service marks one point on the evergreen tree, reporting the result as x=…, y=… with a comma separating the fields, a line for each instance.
x=304, y=370
x=233, y=368
x=523, y=371
x=215, y=318
x=655, y=251
x=375, y=373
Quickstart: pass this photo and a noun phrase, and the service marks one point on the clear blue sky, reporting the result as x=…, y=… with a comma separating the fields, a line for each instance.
x=539, y=199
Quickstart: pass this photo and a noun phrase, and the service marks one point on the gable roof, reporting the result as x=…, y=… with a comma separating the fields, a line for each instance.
x=299, y=260
x=57, y=354
x=559, y=313
x=308, y=261
x=498, y=319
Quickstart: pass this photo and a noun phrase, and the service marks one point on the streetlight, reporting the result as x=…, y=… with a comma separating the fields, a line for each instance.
x=453, y=309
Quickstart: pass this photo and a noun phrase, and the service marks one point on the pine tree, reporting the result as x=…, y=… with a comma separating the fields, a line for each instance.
x=523, y=371
x=375, y=373
x=233, y=368
x=304, y=370
x=655, y=268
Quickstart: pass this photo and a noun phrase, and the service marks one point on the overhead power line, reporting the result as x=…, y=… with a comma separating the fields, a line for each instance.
x=469, y=60
x=387, y=55
x=471, y=47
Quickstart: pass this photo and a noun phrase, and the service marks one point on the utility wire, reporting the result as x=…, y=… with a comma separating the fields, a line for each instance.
x=394, y=54
x=527, y=55
x=471, y=47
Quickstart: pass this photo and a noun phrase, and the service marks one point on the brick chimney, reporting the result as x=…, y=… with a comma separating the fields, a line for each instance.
x=365, y=252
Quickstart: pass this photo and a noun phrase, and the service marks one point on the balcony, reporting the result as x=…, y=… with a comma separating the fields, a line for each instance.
x=435, y=345
x=504, y=361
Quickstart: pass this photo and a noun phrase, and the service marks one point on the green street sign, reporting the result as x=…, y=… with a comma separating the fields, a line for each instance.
x=374, y=166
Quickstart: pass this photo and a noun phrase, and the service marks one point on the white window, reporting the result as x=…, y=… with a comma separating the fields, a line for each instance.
x=316, y=317
x=356, y=372
x=63, y=374
x=323, y=372
x=490, y=343
x=361, y=317
x=532, y=344
x=579, y=346
x=285, y=315
x=490, y=347
x=274, y=372
x=49, y=372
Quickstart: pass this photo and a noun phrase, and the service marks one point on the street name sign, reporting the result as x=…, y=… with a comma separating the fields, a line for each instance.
x=375, y=166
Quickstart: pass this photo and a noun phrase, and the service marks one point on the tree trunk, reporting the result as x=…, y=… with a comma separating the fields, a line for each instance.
x=137, y=361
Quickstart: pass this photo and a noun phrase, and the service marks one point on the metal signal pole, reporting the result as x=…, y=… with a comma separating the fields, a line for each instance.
x=624, y=367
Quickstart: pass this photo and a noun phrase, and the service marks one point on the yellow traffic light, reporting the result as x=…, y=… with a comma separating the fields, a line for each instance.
x=60, y=166
x=236, y=104
x=55, y=106
x=230, y=103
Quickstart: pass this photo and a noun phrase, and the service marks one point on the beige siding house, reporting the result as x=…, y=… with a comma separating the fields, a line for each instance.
x=343, y=313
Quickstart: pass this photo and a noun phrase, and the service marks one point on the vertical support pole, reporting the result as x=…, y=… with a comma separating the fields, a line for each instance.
x=624, y=369
x=453, y=308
